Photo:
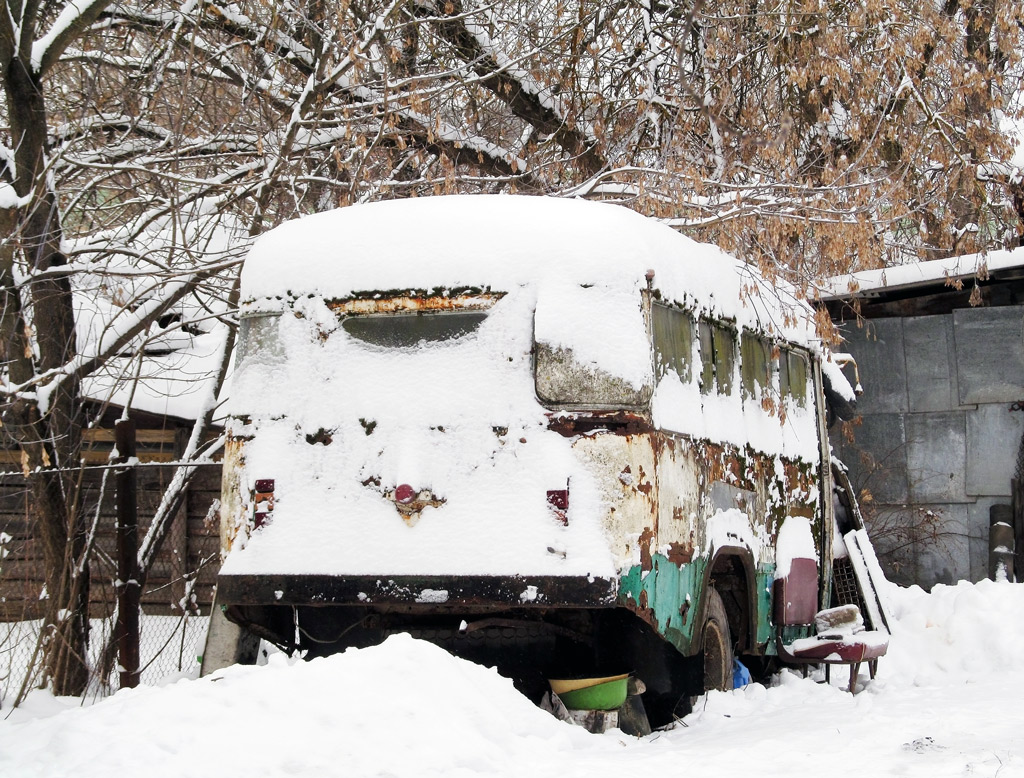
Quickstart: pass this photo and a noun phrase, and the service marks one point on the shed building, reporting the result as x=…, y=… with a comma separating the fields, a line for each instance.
x=940, y=350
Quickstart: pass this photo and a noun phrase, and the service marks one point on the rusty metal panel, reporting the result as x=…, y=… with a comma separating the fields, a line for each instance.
x=407, y=303
x=623, y=466
x=679, y=498
x=234, y=505
x=667, y=597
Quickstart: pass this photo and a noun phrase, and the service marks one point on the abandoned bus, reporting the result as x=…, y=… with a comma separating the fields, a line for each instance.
x=549, y=435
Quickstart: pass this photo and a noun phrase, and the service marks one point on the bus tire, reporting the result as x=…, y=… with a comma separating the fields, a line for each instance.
x=717, y=649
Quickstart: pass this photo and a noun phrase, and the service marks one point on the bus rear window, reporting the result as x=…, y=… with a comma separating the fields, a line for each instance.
x=404, y=330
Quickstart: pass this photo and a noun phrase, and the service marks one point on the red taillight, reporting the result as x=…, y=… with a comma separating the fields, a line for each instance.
x=263, y=502
x=558, y=499
x=558, y=502
x=404, y=494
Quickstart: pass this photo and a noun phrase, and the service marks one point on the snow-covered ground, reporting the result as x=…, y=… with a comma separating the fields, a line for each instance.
x=945, y=703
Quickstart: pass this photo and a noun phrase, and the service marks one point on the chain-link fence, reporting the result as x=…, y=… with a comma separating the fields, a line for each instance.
x=170, y=647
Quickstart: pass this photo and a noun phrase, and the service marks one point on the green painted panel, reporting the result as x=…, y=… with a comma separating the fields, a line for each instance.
x=669, y=593
x=668, y=598
x=797, y=632
x=763, y=589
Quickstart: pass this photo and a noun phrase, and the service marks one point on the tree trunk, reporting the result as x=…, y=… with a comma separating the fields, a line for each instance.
x=47, y=426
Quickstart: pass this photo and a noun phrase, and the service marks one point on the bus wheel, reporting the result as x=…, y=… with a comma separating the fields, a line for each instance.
x=717, y=645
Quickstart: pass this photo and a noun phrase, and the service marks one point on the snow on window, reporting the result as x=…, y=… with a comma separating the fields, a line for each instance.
x=793, y=376
x=756, y=365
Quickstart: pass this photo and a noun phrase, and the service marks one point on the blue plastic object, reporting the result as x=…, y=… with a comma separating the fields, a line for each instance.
x=740, y=674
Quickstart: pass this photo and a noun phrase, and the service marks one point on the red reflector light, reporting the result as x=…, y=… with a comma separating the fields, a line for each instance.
x=558, y=502
x=558, y=499
x=404, y=494
x=263, y=502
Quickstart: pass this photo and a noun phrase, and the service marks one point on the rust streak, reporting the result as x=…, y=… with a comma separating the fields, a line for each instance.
x=622, y=423
x=684, y=611
x=408, y=303
x=645, y=541
x=680, y=553
x=643, y=483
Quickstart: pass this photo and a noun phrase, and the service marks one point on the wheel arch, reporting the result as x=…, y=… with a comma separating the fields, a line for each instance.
x=732, y=573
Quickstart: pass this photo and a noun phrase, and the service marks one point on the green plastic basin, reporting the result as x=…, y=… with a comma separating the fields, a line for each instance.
x=592, y=693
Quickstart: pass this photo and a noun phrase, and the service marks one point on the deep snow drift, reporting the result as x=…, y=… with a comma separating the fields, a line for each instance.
x=943, y=705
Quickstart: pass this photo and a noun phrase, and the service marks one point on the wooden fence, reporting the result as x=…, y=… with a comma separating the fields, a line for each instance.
x=189, y=553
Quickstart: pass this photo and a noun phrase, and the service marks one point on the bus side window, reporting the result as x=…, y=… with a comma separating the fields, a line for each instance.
x=725, y=358
x=755, y=365
x=797, y=377
x=793, y=376
x=717, y=356
x=707, y=357
x=673, y=341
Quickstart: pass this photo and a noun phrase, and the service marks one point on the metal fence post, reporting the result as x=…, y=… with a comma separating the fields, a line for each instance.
x=128, y=590
x=1001, y=543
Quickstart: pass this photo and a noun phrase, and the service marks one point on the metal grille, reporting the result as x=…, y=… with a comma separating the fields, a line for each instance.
x=845, y=590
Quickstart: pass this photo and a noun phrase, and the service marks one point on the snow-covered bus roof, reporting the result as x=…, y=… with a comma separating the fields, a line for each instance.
x=500, y=242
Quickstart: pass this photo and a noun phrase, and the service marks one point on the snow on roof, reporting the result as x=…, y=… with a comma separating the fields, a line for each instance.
x=170, y=368
x=501, y=242
x=950, y=269
x=177, y=383
x=165, y=371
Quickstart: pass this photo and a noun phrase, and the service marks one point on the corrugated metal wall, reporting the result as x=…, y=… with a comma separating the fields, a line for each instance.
x=939, y=433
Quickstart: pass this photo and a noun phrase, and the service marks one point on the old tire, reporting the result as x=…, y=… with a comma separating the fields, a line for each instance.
x=717, y=645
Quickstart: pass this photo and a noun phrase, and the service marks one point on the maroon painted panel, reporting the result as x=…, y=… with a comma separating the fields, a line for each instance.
x=796, y=595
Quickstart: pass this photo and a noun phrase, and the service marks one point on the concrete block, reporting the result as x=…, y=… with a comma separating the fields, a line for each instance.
x=922, y=544
x=944, y=557
x=937, y=457
x=993, y=439
x=931, y=363
x=879, y=350
x=877, y=458
x=990, y=354
x=890, y=528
